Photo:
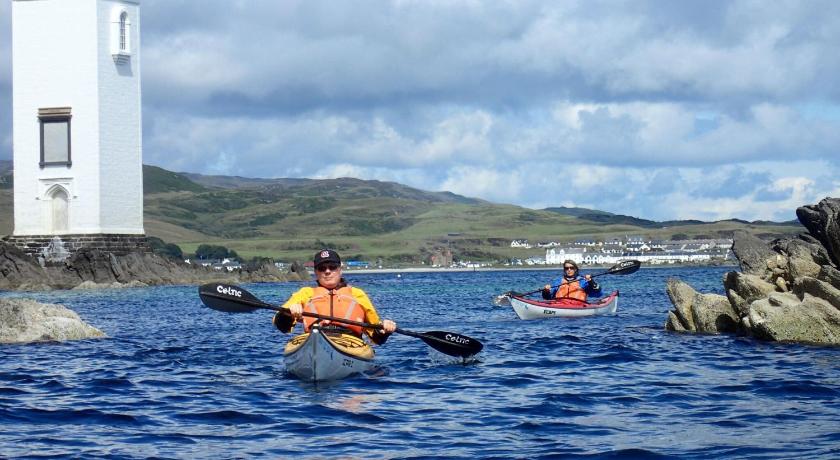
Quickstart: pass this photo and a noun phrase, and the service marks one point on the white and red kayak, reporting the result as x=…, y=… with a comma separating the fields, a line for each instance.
x=527, y=308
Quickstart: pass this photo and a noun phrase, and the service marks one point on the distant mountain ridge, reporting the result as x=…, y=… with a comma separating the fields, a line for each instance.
x=375, y=187
x=594, y=215
x=159, y=180
x=290, y=218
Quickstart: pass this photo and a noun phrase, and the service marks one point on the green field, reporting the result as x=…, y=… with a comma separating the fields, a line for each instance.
x=290, y=219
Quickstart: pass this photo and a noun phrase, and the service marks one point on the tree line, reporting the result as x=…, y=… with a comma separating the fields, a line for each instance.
x=202, y=252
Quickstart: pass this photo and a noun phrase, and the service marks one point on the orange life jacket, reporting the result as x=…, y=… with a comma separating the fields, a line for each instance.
x=339, y=303
x=570, y=291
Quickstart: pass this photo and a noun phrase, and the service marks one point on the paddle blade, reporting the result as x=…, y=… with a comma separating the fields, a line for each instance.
x=229, y=298
x=625, y=268
x=452, y=344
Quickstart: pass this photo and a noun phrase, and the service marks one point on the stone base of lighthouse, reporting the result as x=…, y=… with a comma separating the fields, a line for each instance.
x=57, y=248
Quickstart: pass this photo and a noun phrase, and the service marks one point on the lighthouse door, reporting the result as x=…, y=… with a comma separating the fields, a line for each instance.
x=59, y=211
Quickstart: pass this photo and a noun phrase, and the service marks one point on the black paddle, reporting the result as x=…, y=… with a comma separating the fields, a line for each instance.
x=234, y=299
x=622, y=268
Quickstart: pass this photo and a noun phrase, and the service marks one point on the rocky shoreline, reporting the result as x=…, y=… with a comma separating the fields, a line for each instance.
x=91, y=268
x=26, y=321
x=787, y=291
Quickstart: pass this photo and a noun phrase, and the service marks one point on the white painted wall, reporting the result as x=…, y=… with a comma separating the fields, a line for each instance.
x=120, y=124
x=61, y=56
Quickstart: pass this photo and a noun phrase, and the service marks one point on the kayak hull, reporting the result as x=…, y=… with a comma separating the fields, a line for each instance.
x=323, y=355
x=565, y=308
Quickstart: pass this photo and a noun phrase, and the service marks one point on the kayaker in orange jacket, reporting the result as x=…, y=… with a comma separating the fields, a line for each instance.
x=333, y=297
x=571, y=285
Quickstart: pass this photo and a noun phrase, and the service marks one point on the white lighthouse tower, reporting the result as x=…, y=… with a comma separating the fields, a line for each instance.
x=78, y=174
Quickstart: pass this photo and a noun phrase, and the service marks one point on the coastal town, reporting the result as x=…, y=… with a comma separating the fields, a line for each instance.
x=551, y=253
x=653, y=252
x=595, y=252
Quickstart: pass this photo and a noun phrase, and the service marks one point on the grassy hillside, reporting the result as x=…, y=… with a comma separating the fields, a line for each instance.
x=6, y=197
x=6, y=212
x=317, y=187
x=159, y=180
x=290, y=219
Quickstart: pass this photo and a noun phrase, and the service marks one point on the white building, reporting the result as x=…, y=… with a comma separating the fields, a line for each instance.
x=668, y=257
x=77, y=119
x=600, y=258
x=558, y=255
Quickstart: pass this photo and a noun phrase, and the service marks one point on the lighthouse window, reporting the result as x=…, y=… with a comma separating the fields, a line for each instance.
x=120, y=35
x=123, y=31
x=55, y=136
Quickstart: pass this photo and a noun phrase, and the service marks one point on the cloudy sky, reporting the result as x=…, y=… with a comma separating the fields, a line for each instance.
x=658, y=109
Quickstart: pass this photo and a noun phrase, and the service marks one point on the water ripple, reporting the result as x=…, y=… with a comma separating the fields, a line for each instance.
x=181, y=381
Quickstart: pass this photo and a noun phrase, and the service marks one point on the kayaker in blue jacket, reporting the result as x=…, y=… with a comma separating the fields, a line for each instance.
x=571, y=285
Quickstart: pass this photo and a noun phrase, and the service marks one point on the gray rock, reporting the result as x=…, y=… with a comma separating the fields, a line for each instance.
x=106, y=268
x=742, y=289
x=695, y=312
x=24, y=321
x=713, y=314
x=89, y=285
x=830, y=275
x=783, y=317
x=674, y=324
x=823, y=222
x=817, y=288
x=34, y=286
x=788, y=291
x=267, y=271
x=17, y=269
x=682, y=297
x=299, y=269
x=804, y=256
x=98, y=269
x=752, y=253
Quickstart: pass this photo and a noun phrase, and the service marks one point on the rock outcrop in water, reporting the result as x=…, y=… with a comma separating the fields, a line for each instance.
x=24, y=321
x=787, y=291
x=88, y=269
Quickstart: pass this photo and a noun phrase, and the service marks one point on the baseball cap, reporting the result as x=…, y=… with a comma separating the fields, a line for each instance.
x=326, y=255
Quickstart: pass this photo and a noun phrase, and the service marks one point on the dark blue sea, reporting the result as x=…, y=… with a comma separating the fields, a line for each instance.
x=177, y=380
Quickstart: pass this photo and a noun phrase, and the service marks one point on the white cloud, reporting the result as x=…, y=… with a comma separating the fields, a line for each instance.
x=494, y=185
x=639, y=108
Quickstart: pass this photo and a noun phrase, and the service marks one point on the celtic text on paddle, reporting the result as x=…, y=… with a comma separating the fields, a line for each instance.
x=228, y=290
x=456, y=339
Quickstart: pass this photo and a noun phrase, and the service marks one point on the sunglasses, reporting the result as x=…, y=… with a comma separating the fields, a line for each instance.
x=568, y=268
x=325, y=267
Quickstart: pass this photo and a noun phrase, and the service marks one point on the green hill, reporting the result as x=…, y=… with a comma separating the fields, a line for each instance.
x=604, y=217
x=159, y=180
x=289, y=219
x=6, y=177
